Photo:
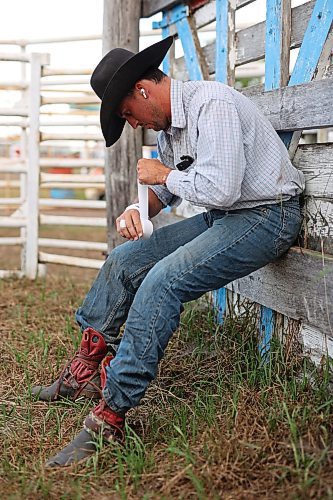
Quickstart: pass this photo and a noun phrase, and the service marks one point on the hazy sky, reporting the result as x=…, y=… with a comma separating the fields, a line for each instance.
x=41, y=18
x=31, y=19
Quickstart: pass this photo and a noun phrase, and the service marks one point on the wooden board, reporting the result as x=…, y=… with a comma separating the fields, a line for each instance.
x=299, y=107
x=250, y=42
x=299, y=285
x=316, y=162
x=315, y=343
x=150, y=7
x=318, y=225
x=121, y=29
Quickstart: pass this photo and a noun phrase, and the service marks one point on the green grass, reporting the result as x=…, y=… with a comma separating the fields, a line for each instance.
x=220, y=421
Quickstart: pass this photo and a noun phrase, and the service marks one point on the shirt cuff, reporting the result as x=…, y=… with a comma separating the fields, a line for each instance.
x=173, y=181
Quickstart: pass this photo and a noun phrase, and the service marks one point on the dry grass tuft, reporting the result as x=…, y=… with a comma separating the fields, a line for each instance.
x=219, y=422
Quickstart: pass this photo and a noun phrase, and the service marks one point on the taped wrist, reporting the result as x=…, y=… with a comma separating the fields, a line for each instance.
x=134, y=206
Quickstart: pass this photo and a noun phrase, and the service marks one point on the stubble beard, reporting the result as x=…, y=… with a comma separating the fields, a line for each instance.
x=160, y=121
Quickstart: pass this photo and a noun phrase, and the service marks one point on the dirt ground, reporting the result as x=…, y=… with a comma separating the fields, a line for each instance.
x=219, y=421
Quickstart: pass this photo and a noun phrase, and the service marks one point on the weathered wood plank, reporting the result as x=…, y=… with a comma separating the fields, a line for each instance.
x=150, y=7
x=329, y=73
x=299, y=107
x=121, y=29
x=316, y=162
x=250, y=42
x=318, y=225
x=315, y=343
x=299, y=285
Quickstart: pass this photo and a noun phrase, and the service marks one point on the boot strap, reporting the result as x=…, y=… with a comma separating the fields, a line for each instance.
x=67, y=377
x=97, y=427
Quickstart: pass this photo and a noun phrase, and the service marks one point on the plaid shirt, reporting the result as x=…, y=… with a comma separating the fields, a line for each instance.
x=239, y=161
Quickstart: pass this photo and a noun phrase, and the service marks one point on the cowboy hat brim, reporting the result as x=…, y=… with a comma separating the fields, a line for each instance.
x=122, y=81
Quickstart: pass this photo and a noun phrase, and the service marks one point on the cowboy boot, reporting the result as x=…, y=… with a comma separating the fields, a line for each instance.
x=101, y=426
x=80, y=376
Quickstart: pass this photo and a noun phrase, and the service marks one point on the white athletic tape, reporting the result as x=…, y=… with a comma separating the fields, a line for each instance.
x=147, y=226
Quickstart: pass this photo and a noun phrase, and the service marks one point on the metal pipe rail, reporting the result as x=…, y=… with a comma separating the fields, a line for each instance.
x=64, y=123
x=73, y=244
x=17, y=57
x=75, y=163
x=14, y=112
x=37, y=41
x=13, y=221
x=6, y=273
x=16, y=123
x=65, y=71
x=13, y=85
x=65, y=220
x=23, y=57
x=70, y=137
x=93, y=99
x=29, y=239
x=23, y=85
x=15, y=169
x=66, y=203
x=71, y=185
x=10, y=241
x=8, y=163
x=72, y=178
x=75, y=81
x=11, y=201
x=10, y=184
x=59, y=203
x=69, y=260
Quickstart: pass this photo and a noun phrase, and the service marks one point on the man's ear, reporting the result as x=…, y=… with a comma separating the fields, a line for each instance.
x=143, y=84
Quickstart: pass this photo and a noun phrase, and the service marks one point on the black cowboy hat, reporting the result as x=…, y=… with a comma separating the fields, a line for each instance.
x=115, y=75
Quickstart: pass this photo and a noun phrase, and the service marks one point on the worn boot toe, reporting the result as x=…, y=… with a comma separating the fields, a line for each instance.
x=45, y=393
x=81, y=448
x=102, y=426
x=80, y=377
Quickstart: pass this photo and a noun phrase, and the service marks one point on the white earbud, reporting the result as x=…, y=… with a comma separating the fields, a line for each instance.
x=143, y=92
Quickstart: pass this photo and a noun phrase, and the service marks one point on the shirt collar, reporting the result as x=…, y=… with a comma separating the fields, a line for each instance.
x=178, y=119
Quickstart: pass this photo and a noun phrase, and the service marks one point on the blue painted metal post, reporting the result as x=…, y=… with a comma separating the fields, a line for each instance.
x=313, y=42
x=267, y=322
x=220, y=304
x=273, y=78
x=221, y=75
x=311, y=48
x=178, y=15
x=190, y=53
x=221, y=52
x=274, y=33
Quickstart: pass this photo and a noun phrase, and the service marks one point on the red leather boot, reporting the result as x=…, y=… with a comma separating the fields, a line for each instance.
x=101, y=426
x=81, y=375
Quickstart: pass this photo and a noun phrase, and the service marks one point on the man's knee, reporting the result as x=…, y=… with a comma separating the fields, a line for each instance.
x=126, y=261
x=121, y=254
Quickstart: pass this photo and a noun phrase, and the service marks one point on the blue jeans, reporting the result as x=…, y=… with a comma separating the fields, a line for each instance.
x=146, y=283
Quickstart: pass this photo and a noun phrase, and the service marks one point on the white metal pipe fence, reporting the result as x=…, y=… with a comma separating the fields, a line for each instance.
x=30, y=167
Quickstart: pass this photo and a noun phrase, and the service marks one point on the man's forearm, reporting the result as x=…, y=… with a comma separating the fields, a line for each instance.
x=155, y=205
